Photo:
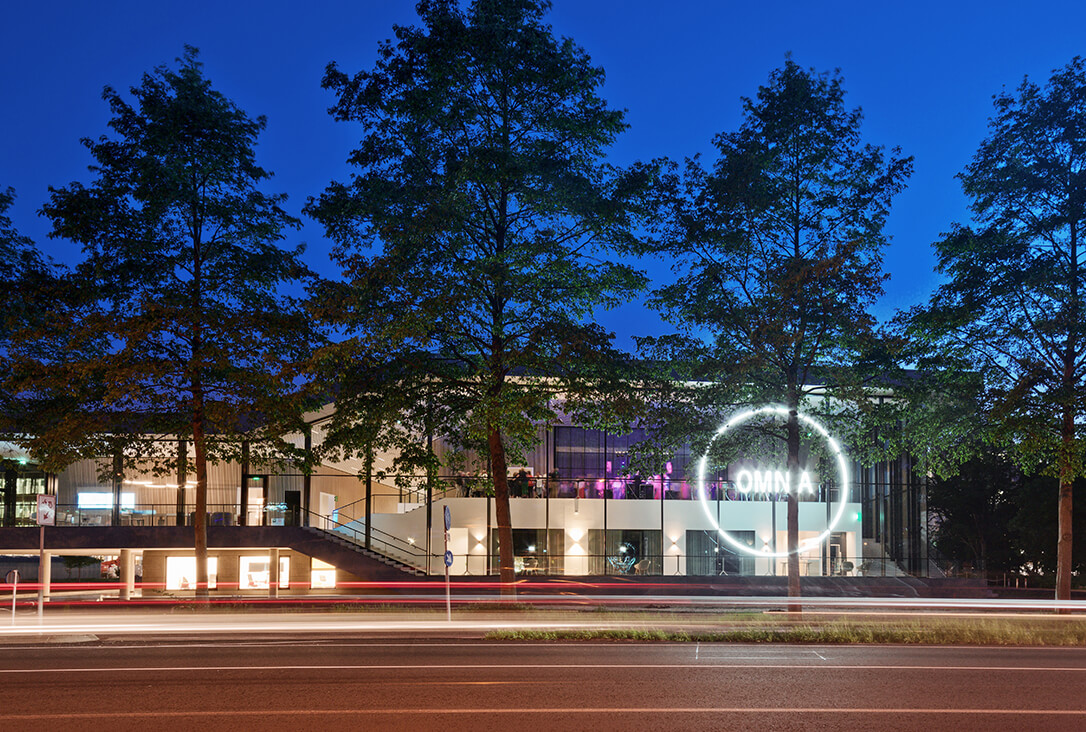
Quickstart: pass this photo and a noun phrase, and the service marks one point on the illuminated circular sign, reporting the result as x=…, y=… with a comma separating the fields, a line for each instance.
x=775, y=480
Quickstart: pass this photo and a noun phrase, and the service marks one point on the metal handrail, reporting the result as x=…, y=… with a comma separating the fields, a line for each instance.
x=396, y=548
x=151, y=514
x=686, y=565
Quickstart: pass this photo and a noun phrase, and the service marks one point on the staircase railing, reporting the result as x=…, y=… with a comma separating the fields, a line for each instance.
x=380, y=542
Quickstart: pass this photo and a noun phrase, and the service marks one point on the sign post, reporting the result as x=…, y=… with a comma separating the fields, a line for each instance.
x=47, y=514
x=13, y=580
x=448, y=563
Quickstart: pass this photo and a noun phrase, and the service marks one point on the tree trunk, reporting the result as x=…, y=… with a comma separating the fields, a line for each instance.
x=1067, y=431
x=793, y=509
x=1063, y=548
x=501, y=509
x=199, y=441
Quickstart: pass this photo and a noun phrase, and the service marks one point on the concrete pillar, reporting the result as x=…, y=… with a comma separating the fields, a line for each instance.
x=45, y=569
x=128, y=574
x=273, y=573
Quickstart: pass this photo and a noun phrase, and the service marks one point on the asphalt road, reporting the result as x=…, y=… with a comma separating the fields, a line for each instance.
x=363, y=683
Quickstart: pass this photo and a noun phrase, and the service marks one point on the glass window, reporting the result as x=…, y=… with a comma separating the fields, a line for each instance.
x=709, y=554
x=581, y=453
x=633, y=551
x=105, y=500
x=253, y=572
x=535, y=551
x=181, y=573
x=322, y=575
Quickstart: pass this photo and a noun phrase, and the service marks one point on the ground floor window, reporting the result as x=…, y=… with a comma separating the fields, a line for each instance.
x=254, y=573
x=181, y=573
x=535, y=551
x=709, y=554
x=633, y=551
x=322, y=575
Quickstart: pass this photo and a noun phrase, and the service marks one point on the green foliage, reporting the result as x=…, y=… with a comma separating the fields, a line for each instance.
x=1011, y=309
x=30, y=295
x=778, y=248
x=931, y=631
x=778, y=251
x=970, y=514
x=182, y=329
x=473, y=234
x=778, y=254
x=1036, y=532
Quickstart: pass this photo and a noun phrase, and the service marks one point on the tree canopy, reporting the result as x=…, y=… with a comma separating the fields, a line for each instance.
x=778, y=250
x=1012, y=306
x=482, y=196
x=191, y=336
x=29, y=295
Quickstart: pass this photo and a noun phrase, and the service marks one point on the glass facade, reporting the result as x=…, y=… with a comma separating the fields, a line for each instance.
x=594, y=463
x=707, y=554
x=20, y=489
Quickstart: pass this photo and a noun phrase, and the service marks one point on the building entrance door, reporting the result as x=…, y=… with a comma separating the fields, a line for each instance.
x=328, y=511
x=293, y=501
x=836, y=553
x=255, y=515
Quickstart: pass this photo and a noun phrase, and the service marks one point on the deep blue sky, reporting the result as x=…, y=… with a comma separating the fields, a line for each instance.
x=923, y=72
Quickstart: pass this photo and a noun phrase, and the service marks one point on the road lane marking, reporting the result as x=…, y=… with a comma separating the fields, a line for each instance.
x=539, y=710
x=535, y=666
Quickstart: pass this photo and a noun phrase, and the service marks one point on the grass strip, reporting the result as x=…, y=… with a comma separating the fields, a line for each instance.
x=929, y=632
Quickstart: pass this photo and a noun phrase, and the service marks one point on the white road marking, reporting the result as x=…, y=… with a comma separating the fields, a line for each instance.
x=265, y=713
x=535, y=666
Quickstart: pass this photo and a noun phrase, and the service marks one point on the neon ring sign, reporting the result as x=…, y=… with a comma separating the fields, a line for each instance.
x=835, y=450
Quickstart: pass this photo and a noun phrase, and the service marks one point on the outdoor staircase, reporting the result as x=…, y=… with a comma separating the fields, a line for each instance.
x=347, y=544
x=879, y=562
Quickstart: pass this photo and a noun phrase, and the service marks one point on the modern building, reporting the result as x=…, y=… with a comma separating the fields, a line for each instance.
x=577, y=511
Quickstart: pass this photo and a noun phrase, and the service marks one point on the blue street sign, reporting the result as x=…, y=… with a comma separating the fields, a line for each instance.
x=448, y=559
x=448, y=518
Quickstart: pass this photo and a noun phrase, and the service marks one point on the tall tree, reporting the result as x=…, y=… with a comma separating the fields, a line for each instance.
x=184, y=271
x=40, y=311
x=480, y=187
x=26, y=280
x=1012, y=308
x=778, y=251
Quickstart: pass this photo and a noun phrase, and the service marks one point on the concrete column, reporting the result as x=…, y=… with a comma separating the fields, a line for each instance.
x=45, y=569
x=128, y=574
x=273, y=573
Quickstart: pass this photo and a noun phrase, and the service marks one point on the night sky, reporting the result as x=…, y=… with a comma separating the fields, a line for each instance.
x=923, y=72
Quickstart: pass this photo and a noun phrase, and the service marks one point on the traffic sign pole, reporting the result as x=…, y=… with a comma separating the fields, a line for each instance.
x=13, y=578
x=448, y=564
x=46, y=516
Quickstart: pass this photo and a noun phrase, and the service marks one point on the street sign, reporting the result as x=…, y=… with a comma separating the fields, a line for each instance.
x=448, y=563
x=47, y=510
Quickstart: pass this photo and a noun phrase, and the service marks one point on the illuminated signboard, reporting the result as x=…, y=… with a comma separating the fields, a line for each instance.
x=774, y=481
